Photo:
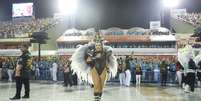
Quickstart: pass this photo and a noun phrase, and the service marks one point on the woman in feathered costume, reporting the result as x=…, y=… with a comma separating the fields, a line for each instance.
x=94, y=62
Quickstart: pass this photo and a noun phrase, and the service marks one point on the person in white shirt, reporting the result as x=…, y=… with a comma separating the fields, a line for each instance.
x=179, y=73
x=127, y=71
x=122, y=75
x=138, y=74
x=54, y=71
x=10, y=69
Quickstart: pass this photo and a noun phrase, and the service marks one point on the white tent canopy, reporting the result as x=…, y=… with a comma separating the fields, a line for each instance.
x=70, y=32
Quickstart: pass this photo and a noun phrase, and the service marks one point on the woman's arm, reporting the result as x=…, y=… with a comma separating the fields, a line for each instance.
x=18, y=70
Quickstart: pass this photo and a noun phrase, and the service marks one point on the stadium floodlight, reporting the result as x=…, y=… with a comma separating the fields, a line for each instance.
x=68, y=7
x=171, y=3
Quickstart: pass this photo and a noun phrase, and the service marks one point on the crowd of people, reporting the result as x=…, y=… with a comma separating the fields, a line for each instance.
x=127, y=45
x=159, y=70
x=13, y=29
x=146, y=69
x=130, y=70
x=191, y=18
x=49, y=68
x=7, y=66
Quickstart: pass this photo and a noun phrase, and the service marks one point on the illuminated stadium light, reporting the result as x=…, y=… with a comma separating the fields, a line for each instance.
x=68, y=7
x=171, y=3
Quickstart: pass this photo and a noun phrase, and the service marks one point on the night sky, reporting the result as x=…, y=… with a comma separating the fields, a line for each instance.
x=104, y=13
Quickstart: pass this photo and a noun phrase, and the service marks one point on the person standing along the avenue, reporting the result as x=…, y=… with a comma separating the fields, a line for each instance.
x=22, y=73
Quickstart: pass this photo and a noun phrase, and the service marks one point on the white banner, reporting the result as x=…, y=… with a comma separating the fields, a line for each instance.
x=155, y=24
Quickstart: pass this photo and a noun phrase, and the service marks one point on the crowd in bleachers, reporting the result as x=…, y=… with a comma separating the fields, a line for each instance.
x=127, y=45
x=12, y=29
x=191, y=18
x=136, y=33
x=143, y=45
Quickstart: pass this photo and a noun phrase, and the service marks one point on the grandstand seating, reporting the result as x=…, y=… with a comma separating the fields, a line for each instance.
x=191, y=18
x=16, y=29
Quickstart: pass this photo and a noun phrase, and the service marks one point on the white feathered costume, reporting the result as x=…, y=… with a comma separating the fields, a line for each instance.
x=185, y=54
x=82, y=69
